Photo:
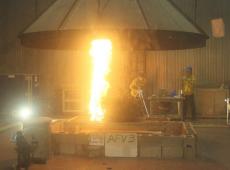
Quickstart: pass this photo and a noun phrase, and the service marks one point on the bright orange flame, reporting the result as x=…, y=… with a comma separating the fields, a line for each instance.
x=101, y=53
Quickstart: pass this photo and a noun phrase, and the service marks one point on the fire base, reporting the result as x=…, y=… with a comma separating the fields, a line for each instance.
x=153, y=139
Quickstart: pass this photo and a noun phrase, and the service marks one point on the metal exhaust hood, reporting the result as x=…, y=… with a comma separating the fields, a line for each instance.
x=131, y=24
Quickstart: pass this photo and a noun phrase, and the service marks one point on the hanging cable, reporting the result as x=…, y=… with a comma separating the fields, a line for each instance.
x=105, y=5
x=143, y=14
x=102, y=7
x=67, y=14
x=195, y=11
x=36, y=8
x=98, y=6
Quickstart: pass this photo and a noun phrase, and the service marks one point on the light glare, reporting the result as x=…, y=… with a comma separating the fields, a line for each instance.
x=25, y=113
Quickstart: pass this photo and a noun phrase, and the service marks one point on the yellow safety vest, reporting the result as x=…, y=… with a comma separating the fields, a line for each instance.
x=188, y=85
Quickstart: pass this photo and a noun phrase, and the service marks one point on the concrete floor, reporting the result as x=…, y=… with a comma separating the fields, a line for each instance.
x=214, y=144
x=213, y=154
x=7, y=151
x=74, y=163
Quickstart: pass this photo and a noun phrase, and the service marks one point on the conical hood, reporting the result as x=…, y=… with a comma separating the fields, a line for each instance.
x=132, y=24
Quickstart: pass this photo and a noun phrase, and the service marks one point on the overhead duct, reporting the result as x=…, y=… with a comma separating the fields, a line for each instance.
x=131, y=24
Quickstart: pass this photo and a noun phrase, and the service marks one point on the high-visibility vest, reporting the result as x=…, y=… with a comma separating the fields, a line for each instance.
x=188, y=85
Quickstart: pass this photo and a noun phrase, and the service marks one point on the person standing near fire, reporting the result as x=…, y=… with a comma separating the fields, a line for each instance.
x=137, y=90
x=137, y=84
x=188, y=82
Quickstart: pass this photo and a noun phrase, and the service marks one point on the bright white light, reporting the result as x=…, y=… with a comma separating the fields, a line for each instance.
x=25, y=113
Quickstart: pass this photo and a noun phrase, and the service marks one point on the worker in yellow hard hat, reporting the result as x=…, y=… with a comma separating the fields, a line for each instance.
x=188, y=82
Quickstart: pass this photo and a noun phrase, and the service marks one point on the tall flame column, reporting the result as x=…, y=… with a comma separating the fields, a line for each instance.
x=101, y=53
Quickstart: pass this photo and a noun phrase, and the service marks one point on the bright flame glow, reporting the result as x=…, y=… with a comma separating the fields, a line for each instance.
x=101, y=53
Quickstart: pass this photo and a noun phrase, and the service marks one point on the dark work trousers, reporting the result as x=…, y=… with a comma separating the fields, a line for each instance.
x=189, y=102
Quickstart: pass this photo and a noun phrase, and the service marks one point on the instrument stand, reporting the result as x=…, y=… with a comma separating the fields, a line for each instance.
x=228, y=109
x=141, y=96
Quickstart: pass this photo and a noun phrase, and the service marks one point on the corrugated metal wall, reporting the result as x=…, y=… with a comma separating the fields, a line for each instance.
x=163, y=68
x=210, y=64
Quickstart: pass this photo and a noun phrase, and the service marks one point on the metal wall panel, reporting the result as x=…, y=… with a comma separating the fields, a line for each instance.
x=210, y=64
